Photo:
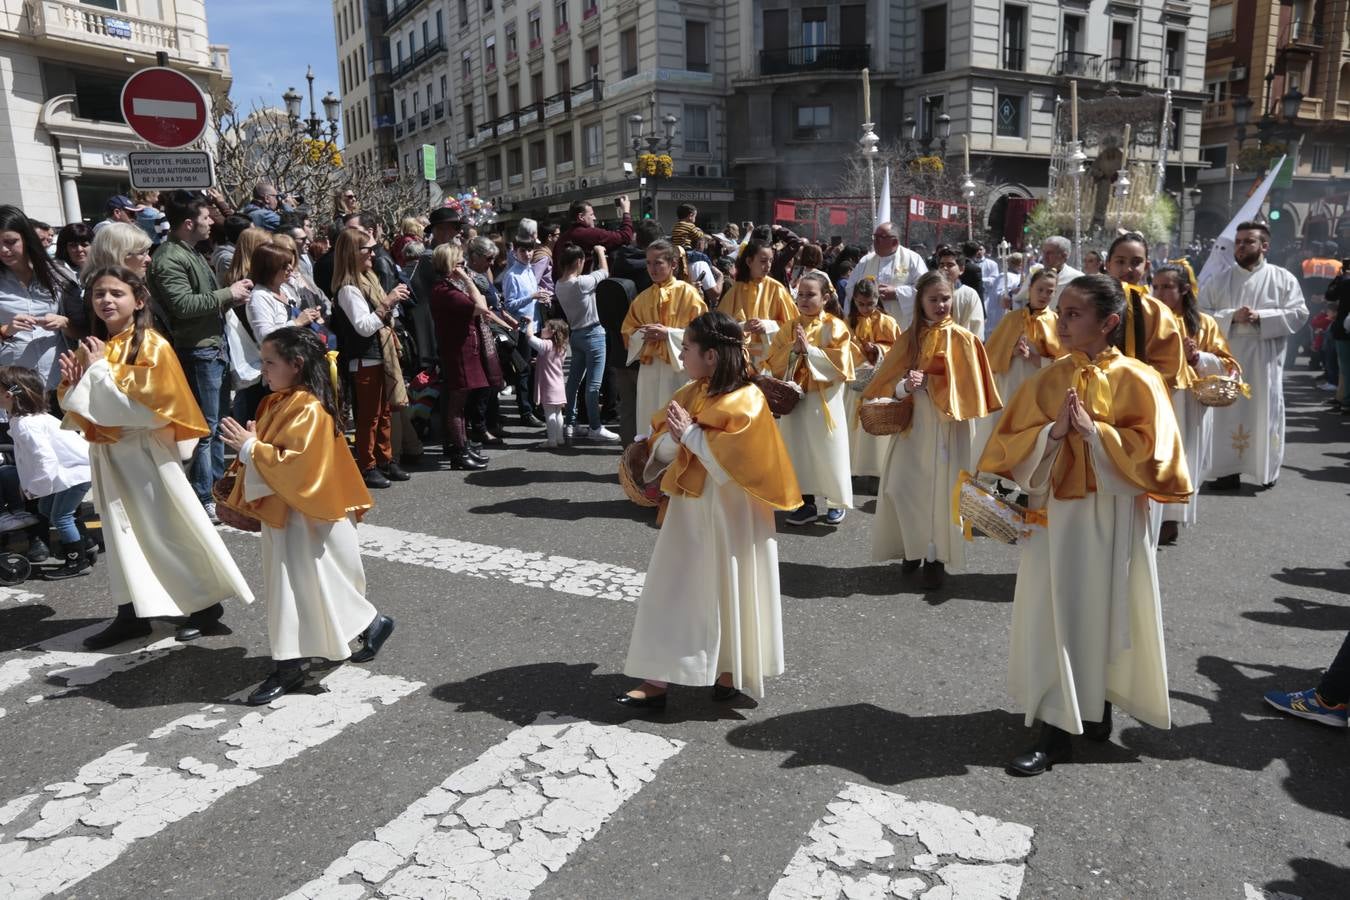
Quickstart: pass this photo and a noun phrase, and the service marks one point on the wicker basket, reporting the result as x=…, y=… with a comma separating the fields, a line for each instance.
x=783, y=396
x=886, y=416
x=980, y=507
x=631, y=464
x=862, y=377
x=228, y=515
x=1219, y=390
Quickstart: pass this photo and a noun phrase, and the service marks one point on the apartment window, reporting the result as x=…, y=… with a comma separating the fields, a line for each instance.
x=515, y=162
x=853, y=23
x=417, y=97
x=560, y=16
x=1122, y=40
x=696, y=46
x=813, y=123
x=1221, y=22
x=447, y=148
x=513, y=97
x=813, y=26
x=1071, y=41
x=1217, y=91
x=512, y=50
x=562, y=148
x=399, y=52
x=463, y=13
x=1015, y=38
x=628, y=53
x=538, y=156
x=537, y=87
x=494, y=168
x=469, y=127
x=403, y=108
x=1321, y=159
x=471, y=174
x=440, y=24
x=1173, y=53
x=426, y=32
x=592, y=63
x=775, y=29
x=535, y=23
x=428, y=96
x=493, y=113
x=589, y=8
x=593, y=144
x=412, y=44
x=695, y=127
x=1177, y=137
x=934, y=31
x=466, y=67
x=487, y=6
x=489, y=53
x=563, y=74
x=1008, y=115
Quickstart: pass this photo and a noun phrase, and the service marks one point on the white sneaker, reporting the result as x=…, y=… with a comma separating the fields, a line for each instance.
x=602, y=434
x=1326, y=386
x=210, y=507
x=568, y=432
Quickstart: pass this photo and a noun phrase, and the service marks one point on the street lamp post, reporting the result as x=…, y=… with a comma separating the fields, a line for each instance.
x=313, y=126
x=1076, y=160
x=652, y=141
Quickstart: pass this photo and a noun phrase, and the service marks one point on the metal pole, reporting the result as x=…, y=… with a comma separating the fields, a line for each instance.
x=872, y=177
x=1076, y=160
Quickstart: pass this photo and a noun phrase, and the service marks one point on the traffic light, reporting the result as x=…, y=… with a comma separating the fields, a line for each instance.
x=1274, y=215
x=649, y=207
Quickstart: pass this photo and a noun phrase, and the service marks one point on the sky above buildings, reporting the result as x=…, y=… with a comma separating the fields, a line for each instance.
x=271, y=42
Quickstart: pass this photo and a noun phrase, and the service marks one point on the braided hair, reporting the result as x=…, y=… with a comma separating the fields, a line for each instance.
x=300, y=345
x=723, y=335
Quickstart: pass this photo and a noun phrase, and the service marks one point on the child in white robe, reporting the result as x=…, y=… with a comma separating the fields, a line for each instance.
x=295, y=475
x=874, y=333
x=126, y=391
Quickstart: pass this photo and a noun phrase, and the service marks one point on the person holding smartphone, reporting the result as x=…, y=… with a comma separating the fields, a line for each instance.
x=582, y=230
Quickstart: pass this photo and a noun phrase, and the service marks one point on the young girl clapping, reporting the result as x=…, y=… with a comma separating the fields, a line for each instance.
x=710, y=610
x=127, y=392
x=296, y=475
x=942, y=370
x=1092, y=437
x=815, y=353
x=874, y=334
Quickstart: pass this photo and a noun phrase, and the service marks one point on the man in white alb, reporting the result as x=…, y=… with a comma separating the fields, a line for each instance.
x=895, y=268
x=1054, y=253
x=1258, y=306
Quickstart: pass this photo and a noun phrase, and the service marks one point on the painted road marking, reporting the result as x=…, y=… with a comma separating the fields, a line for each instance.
x=10, y=595
x=876, y=844
x=59, y=836
x=1252, y=892
x=502, y=823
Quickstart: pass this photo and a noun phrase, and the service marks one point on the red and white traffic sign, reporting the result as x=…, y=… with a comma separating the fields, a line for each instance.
x=164, y=107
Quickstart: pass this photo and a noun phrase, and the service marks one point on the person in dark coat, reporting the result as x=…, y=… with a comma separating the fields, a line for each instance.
x=457, y=306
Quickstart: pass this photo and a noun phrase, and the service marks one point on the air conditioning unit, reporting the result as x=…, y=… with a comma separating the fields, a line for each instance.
x=585, y=183
x=1237, y=73
x=571, y=184
x=1172, y=82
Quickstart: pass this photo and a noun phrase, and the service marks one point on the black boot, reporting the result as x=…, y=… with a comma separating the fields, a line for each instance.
x=203, y=622
x=76, y=562
x=123, y=627
x=37, y=549
x=461, y=461
x=475, y=451
x=288, y=675
x=1099, y=731
x=1052, y=746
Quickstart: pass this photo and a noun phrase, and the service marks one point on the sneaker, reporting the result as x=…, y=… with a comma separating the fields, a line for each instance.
x=834, y=517
x=1307, y=705
x=582, y=430
x=1326, y=386
x=14, y=521
x=602, y=434
x=210, y=506
x=802, y=515
x=569, y=432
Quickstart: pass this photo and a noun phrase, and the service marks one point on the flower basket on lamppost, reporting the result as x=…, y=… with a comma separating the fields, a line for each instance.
x=651, y=151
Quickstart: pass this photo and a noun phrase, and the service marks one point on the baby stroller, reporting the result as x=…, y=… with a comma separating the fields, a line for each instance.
x=15, y=567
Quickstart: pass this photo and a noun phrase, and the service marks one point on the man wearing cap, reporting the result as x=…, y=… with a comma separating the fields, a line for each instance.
x=521, y=295
x=119, y=209
x=446, y=226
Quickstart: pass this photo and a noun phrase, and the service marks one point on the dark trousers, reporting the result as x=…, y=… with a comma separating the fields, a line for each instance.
x=1335, y=686
x=524, y=384
x=484, y=410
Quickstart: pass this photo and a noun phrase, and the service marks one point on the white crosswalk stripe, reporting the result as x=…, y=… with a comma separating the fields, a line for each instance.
x=137, y=790
x=505, y=821
x=876, y=844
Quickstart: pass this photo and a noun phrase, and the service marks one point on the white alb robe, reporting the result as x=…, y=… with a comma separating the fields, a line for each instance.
x=914, y=505
x=1249, y=435
x=313, y=579
x=1087, y=616
x=818, y=451
x=968, y=310
x=165, y=557
x=1007, y=382
x=1195, y=421
x=658, y=380
x=710, y=602
x=901, y=270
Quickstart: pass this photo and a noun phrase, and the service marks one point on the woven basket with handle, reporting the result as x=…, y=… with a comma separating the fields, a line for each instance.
x=884, y=417
x=228, y=515
x=631, y=464
x=1218, y=390
x=979, y=506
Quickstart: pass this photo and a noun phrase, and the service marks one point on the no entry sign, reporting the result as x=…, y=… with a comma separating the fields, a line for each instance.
x=164, y=107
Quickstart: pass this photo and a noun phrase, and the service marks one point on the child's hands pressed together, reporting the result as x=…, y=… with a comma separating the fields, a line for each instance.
x=235, y=435
x=799, y=344
x=678, y=421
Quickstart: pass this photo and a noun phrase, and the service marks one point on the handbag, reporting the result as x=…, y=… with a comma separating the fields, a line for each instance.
x=395, y=391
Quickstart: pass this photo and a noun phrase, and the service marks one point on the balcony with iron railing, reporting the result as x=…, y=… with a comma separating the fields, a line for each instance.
x=86, y=24
x=425, y=118
x=439, y=110
x=1302, y=35
x=556, y=106
x=424, y=54
x=1217, y=114
x=1122, y=68
x=815, y=58
x=1076, y=64
x=400, y=10
x=1219, y=37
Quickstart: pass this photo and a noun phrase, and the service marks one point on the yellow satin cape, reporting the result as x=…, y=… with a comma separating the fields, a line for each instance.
x=302, y=459
x=877, y=328
x=1041, y=330
x=674, y=304
x=155, y=380
x=1132, y=408
x=742, y=436
x=960, y=382
x=1163, y=348
x=839, y=350
x=767, y=298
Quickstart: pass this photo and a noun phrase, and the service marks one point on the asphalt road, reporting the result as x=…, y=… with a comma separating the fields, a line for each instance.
x=481, y=754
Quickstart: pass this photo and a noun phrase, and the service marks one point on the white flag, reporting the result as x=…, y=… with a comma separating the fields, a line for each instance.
x=1221, y=257
x=884, y=205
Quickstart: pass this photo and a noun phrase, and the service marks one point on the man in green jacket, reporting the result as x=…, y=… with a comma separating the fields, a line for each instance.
x=185, y=288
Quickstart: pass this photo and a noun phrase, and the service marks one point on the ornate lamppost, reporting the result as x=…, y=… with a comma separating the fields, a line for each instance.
x=651, y=152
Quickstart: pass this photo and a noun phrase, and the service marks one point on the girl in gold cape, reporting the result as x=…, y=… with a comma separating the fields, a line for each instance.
x=815, y=353
x=1151, y=332
x=874, y=334
x=1092, y=437
x=1207, y=353
x=1024, y=341
x=939, y=368
x=761, y=303
x=296, y=476
x=131, y=399
x=710, y=609
x=654, y=327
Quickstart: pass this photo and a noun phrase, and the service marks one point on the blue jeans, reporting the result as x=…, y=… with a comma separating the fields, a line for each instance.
x=59, y=511
x=588, y=360
x=205, y=368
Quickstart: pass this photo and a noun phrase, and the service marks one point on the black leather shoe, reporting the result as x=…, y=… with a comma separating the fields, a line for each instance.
x=493, y=440
x=373, y=639
x=910, y=566
x=1226, y=483
x=724, y=694
x=461, y=461
x=203, y=623
x=1099, y=731
x=657, y=701
x=1052, y=747
x=530, y=420
x=123, y=627
x=476, y=453
x=934, y=575
x=281, y=681
x=374, y=478
x=394, y=473
x=1167, y=535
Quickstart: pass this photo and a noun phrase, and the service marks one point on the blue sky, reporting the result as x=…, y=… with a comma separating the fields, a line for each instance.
x=271, y=42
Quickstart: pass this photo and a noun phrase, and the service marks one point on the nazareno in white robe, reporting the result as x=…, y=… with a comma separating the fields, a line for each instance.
x=819, y=453
x=313, y=579
x=1249, y=435
x=658, y=380
x=710, y=602
x=914, y=505
x=1087, y=616
x=164, y=556
x=1195, y=422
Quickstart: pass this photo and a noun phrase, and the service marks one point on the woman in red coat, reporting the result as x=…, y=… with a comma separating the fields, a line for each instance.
x=458, y=308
